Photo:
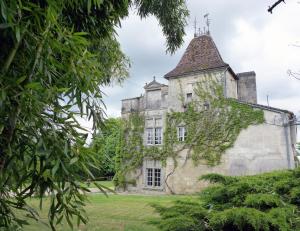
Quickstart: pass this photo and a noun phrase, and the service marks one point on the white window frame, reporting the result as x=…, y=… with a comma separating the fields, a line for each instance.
x=157, y=177
x=149, y=134
x=158, y=136
x=149, y=177
x=189, y=97
x=154, y=134
x=181, y=133
x=153, y=177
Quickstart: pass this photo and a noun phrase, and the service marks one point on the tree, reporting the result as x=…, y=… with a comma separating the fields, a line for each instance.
x=55, y=57
x=105, y=146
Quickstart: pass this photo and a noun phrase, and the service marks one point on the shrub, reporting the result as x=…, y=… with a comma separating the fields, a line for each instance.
x=263, y=201
x=240, y=219
x=266, y=202
x=295, y=196
x=184, y=215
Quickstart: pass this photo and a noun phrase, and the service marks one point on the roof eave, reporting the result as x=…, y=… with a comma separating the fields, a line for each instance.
x=167, y=76
x=233, y=73
x=268, y=108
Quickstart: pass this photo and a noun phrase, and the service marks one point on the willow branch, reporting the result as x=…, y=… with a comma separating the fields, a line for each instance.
x=11, y=56
x=39, y=52
x=13, y=52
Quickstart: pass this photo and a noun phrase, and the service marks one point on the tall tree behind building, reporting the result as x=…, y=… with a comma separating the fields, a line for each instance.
x=105, y=146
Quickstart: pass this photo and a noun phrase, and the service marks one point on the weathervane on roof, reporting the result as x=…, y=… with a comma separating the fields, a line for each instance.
x=207, y=23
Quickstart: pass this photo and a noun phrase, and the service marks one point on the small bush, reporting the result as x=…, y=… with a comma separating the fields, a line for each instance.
x=263, y=201
x=266, y=202
x=180, y=223
x=295, y=196
x=284, y=186
x=217, y=178
x=284, y=218
x=240, y=219
x=184, y=215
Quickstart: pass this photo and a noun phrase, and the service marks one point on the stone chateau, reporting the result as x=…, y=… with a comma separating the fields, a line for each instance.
x=259, y=148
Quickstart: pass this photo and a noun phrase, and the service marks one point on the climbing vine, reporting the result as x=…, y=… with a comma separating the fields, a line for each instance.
x=212, y=122
x=130, y=152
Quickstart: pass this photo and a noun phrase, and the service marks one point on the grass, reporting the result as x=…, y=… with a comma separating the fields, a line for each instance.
x=108, y=184
x=114, y=213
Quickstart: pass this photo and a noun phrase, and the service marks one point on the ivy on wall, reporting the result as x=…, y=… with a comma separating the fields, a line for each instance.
x=130, y=152
x=212, y=122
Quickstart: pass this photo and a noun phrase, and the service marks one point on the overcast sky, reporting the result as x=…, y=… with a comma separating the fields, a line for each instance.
x=247, y=36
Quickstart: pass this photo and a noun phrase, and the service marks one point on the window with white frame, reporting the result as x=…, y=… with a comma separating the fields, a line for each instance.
x=181, y=133
x=189, y=97
x=153, y=174
x=149, y=134
x=149, y=176
x=154, y=131
x=157, y=177
x=153, y=178
x=158, y=136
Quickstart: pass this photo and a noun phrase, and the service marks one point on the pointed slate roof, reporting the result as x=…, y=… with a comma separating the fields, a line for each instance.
x=201, y=54
x=154, y=85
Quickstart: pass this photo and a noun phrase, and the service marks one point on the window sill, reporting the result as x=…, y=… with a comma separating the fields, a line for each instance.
x=153, y=188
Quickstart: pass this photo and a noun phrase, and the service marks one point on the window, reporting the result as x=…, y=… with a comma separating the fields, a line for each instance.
x=154, y=131
x=158, y=136
x=157, y=177
x=189, y=97
x=153, y=173
x=181, y=133
x=149, y=176
x=149, y=136
x=158, y=122
x=206, y=106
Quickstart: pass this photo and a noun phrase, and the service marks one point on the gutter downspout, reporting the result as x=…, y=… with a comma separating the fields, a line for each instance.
x=285, y=127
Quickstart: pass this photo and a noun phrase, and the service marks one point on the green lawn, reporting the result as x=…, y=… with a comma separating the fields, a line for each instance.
x=108, y=184
x=117, y=212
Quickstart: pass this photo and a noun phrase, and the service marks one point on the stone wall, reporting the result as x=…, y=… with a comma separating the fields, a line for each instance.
x=132, y=105
x=231, y=86
x=185, y=85
x=258, y=149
